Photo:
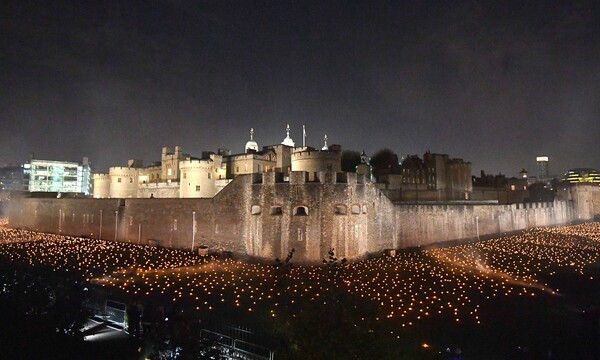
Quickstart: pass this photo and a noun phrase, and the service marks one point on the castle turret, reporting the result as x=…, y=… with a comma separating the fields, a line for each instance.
x=198, y=178
x=123, y=182
x=313, y=161
x=101, y=186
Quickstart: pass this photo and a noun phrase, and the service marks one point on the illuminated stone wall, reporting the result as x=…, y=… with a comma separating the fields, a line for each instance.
x=262, y=215
x=158, y=190
x=101, y=186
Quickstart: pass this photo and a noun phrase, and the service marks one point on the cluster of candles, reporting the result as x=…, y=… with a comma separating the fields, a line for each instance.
x=449, y=282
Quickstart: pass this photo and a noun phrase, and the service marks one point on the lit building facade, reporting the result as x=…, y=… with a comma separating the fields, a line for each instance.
x=542, y=165
x=57, y=176
x=582, y=175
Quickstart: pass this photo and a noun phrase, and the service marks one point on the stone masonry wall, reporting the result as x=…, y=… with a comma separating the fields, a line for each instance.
x=263, y=216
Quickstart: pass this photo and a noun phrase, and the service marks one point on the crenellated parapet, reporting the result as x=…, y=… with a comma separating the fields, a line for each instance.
x=313, y=161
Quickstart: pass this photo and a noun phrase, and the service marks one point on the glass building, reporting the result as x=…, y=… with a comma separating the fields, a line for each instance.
x=57, y=176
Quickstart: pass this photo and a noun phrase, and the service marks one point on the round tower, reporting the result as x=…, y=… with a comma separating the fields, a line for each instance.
x=197, y=179
x=123, y=182
x=101, y=186
x=313, y=160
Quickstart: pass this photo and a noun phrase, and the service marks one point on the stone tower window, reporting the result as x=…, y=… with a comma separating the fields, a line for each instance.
x=301, y=211
x=255, y=209
x=355, y=209
x=276, y=210
x=364, y=209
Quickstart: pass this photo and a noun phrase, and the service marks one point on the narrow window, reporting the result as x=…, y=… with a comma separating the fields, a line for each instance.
x=209, y=176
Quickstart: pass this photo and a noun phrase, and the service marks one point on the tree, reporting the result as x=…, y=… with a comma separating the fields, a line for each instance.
x=350, y=160
x=384, y=161
x=285, y=264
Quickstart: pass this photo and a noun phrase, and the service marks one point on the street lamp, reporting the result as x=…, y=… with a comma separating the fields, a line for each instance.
x=193, y=229
x=116, y=223
x=100, y=232
x=477, y=226
x=59, y=221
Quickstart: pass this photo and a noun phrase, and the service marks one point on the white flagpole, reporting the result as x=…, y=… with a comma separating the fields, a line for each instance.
x=303, y=136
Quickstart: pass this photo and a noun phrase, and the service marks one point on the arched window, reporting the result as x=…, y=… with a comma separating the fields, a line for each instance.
x=301, y=211
x=355, y=209
x=364, y=209
x=255, y=209
x=340, y=210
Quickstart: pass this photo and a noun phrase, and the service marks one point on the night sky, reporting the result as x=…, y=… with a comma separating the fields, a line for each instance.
x=493, y=82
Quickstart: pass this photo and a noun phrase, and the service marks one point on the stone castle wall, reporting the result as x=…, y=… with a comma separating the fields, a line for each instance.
x=262, y=215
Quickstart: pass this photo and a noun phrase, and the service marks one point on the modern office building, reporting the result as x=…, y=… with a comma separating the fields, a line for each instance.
x=57, y=176
x=582, y=175
x=542, y=165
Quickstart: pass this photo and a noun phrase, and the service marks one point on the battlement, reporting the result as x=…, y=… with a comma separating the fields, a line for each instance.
x=302, y=177
x=206, y=164
x=123, y=171
x=310, y=153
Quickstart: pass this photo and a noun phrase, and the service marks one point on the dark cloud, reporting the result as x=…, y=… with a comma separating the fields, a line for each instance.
x=496, y=83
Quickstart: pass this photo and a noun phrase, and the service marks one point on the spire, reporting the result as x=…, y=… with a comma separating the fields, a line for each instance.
x=251, y=145
x=288, y=141
x=363, y=157
x=325, y=147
